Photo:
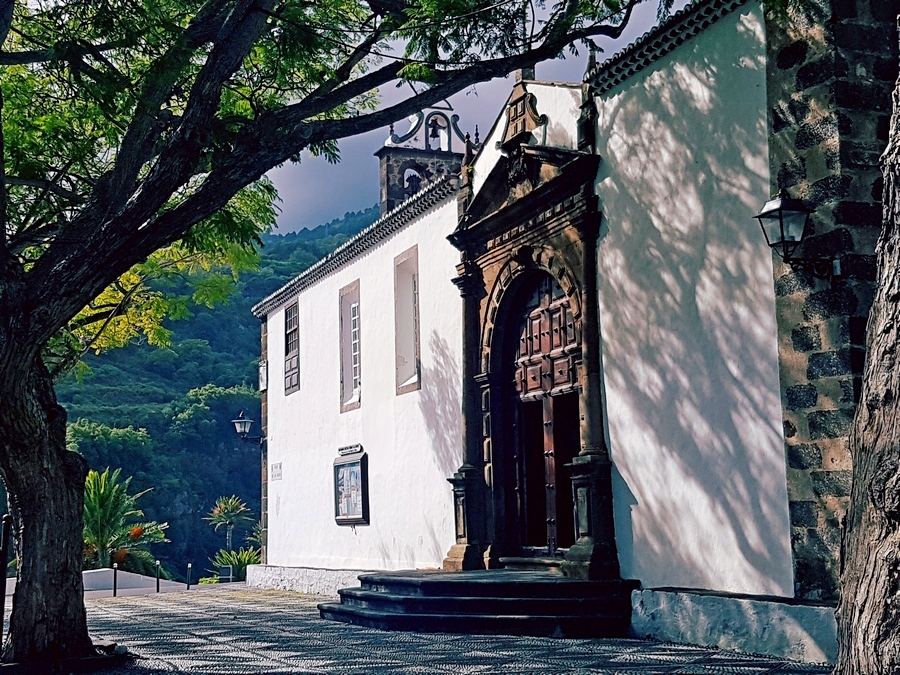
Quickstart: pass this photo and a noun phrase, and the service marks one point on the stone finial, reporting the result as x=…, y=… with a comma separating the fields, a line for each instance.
x=525, y=74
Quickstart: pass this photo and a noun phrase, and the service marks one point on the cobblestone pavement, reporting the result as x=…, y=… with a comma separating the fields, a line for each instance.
x=236, y=630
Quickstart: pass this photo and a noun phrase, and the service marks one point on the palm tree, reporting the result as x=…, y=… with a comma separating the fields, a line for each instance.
x=229, y=511
x=110, y=531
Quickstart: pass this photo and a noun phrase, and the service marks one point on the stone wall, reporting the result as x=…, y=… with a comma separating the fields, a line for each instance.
x=830, y=75
x=396, y=160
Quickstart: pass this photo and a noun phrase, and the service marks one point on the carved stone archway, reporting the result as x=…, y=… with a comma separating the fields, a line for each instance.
x=535, y=214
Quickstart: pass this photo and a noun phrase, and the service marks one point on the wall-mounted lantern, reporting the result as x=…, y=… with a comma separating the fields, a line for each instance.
x=783, y=220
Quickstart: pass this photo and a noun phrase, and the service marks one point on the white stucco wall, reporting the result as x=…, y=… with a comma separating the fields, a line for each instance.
x=412, y=440
x=560, y=102
x=688, y=326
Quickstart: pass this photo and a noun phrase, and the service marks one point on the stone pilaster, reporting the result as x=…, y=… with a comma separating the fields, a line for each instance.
x=469, y=492
x=829, y=75
x=594, y=555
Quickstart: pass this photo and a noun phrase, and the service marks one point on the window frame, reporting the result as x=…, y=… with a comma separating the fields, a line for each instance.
x=351, y=382
x=401, y=332
x=292, y=357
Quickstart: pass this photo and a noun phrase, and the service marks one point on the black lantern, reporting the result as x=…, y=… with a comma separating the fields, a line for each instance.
x=242, y=425
x=783, y=220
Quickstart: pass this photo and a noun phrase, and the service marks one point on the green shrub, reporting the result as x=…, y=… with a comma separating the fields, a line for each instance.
x=238, y=560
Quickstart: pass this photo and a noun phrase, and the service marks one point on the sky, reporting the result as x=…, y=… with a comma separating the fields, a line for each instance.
x=315, y=192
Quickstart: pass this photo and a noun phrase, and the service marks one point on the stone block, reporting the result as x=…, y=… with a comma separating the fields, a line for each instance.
x=885, y=10
x=827, y=189
x=829, y=364
x=801, y=396
x=806, y=338
x=830, y=423
x=861, y=37
x=791, y=173
x=855, y=95
x=815, y=575
x=828, y=245
x=858, y=214
x=844, y=9
x=790, y=429
x=804, y=514
x=885, y=70
x=830, y=303
x=859, y=267
x=791, y=283
x=883, y=127
x=812, y=133
x=815, y=72
x=831, y=483
x=792, y=55
x=854, y=155
x=804, y=456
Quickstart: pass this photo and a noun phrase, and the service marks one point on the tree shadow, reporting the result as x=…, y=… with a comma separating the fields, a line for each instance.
x=688, y=319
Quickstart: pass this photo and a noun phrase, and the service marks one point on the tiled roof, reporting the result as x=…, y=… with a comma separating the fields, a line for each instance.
x=388, y=224
x=656, y=43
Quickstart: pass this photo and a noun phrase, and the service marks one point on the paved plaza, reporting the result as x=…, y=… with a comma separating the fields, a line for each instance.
x=236, y=630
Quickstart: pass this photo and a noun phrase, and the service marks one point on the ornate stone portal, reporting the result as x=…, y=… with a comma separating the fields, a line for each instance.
x=536, y=476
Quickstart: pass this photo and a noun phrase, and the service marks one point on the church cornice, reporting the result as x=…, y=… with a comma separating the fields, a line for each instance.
x=391, y=222
x=656, y=43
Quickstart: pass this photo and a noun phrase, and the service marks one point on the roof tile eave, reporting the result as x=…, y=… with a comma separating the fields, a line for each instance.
x=382, y=228
x=657, y=42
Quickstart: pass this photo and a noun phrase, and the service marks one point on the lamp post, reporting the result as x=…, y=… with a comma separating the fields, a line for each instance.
x=242, y=426
x=784, y=220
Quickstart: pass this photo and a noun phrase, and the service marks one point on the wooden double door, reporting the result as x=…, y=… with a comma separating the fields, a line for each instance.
x=544, y=400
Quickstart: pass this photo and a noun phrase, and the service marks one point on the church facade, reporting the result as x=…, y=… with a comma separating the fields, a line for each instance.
x=569, y=346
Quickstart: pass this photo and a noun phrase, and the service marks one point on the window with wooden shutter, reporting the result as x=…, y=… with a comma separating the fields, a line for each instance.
x=351, y=347
x=406, y=321
x=291, y=348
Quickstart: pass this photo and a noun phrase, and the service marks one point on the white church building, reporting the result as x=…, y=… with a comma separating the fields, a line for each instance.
x=577, y=323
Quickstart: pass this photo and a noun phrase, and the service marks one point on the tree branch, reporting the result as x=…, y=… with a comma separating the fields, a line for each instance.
x=48, y=185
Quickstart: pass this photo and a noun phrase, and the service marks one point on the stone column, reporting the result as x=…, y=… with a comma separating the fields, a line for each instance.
x=469, y=491
x=594, y=555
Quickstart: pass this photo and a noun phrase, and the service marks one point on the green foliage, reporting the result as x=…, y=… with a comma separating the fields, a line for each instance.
x=163, y=414
x=229, y=511
x=238, y=560
x=112, y=531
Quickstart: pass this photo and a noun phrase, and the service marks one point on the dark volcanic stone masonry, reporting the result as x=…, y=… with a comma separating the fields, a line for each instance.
x=829, y=95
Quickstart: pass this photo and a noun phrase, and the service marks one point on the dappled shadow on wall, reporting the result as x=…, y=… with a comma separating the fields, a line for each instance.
x=688, y=322
x=439, y=401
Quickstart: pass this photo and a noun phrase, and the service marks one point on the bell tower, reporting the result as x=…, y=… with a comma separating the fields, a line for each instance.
x=427, y=151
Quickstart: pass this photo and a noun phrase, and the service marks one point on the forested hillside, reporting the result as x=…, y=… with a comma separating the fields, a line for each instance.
x=163, y=414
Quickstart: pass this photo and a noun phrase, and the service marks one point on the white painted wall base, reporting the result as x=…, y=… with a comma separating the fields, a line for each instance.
x=302, y=579
x=799, y=632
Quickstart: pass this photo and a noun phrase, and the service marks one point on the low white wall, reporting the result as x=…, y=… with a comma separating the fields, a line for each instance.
x=302, y=579
x=792, y=631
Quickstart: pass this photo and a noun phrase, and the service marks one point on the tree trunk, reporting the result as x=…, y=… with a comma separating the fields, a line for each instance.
x=869, y=609
x=45, y=484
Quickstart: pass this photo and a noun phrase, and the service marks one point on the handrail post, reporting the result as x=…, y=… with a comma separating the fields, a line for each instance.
x=189, y=576
x=115, y=577
x=157, y=576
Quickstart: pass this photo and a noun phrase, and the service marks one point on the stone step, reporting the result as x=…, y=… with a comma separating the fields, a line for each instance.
x=493, y=583
x=535, y=564
x=610, y=606
x=548, y=626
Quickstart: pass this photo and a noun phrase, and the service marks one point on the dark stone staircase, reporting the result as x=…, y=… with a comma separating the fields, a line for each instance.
x=500, y=602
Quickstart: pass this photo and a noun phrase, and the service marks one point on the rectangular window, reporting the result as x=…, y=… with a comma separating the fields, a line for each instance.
x=291, y=349
x=406, y=320
x=351, y=351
